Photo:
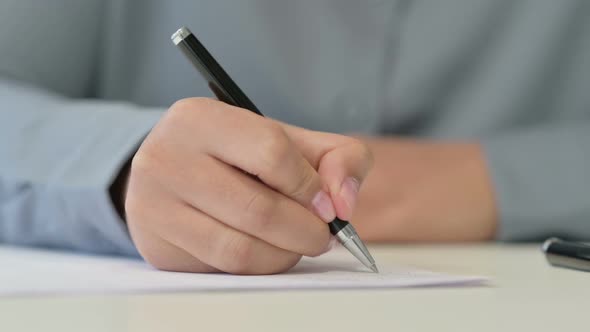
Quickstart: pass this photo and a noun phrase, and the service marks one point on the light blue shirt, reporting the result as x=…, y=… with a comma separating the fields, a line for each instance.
x=83, y=81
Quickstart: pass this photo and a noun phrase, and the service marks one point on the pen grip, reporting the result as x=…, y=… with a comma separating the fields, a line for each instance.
x=337, y=225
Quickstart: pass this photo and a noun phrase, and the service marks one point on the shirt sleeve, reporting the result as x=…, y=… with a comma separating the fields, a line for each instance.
x=58, y=159
x=59, y=152
x=542, y=181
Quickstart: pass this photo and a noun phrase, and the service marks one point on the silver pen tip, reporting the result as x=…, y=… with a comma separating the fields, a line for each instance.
x=350, y=240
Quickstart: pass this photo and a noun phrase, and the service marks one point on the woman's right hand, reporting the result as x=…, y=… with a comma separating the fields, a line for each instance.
x=217, y=188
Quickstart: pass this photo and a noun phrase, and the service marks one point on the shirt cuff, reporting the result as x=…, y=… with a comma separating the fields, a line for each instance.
x=91, y=204
x=541, y=178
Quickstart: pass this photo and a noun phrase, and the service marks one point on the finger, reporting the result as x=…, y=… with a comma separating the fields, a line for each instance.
x=146, y=204
x=165, y=256
x=342, y=162
x=260, y=147
x=344, y=169
x=243, y=203
x=313, y=144
x=219, y=245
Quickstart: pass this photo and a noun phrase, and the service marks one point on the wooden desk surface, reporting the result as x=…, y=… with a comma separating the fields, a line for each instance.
x=525, y=295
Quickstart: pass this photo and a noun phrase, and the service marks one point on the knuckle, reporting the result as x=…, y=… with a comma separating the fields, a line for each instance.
x=181, y=104
x=191, y=104
x=360, y=146
x=146, y=164
x=239, y=254
x=275, y=148
x=188, y=114
x=363, y=148
x=363, y=153
x=260, y=211
x=367, y=154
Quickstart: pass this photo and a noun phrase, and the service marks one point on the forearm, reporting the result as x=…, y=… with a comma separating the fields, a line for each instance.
x=59, y=159
x=523, y=185
x=422, y=190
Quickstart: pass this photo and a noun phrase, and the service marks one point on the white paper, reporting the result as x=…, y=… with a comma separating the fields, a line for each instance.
x=40, y=272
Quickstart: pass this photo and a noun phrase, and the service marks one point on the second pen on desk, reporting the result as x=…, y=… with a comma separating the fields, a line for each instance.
x=228, y=91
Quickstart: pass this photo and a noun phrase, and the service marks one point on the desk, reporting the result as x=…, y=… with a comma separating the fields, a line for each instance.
x=525, y=295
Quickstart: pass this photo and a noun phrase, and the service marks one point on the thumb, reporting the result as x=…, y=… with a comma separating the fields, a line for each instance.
x=342, y=162
x=343, y=171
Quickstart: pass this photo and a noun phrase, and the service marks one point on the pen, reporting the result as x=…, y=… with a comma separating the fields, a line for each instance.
x=229, y=92
x=571, y=255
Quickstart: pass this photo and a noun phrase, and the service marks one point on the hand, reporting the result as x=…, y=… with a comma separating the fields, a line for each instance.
x=426, y=191
x=217, y=188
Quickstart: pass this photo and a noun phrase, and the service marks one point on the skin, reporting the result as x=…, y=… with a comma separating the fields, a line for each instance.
x=215, y=188
x=434, y=192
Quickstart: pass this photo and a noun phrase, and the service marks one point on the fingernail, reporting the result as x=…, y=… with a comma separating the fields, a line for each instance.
x=349, y=192
x=323, y=206
x=333, y=242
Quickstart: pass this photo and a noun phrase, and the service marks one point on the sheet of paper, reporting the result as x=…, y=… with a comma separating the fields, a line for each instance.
x=40, y=272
